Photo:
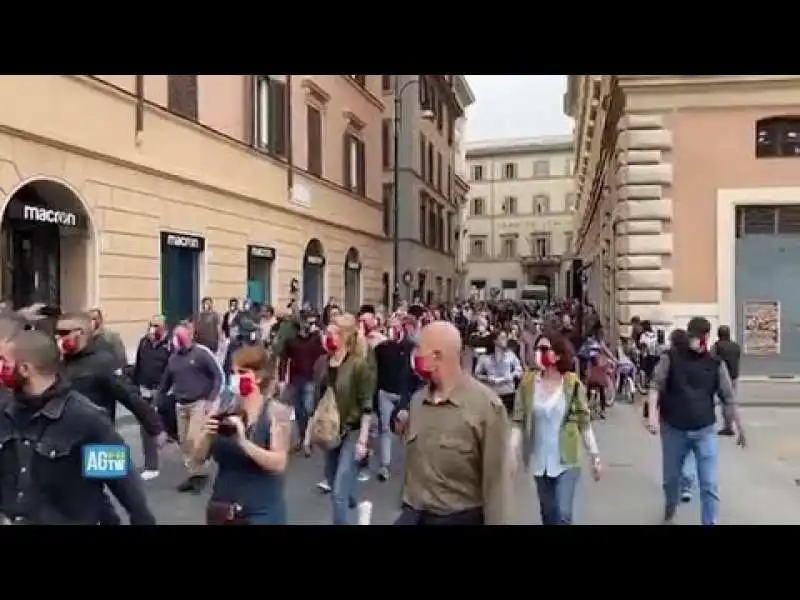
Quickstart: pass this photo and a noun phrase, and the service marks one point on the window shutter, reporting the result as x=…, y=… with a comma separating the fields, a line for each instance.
x=314, y=139
x=277, y=117
x=182, y=95
x=249, y=133
x=361, y=168
x=346, y=162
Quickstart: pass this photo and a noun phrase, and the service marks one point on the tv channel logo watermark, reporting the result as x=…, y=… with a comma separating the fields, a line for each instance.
x=105, y=461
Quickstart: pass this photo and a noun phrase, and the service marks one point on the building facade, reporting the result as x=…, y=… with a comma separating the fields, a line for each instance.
x=430, y=107
x=689, y=204
x=143, y=194
x=518, y=218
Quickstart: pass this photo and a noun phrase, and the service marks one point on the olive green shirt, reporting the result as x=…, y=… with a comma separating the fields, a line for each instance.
x=457, y=453
x=354, y=389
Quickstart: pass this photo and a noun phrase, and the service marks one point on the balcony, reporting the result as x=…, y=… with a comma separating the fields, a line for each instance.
x=541, y=260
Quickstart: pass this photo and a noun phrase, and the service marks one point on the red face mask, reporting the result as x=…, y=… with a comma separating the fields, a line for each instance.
x=8, y=374
x=546, y=357
x=330, y=343
x=421, y=369
x=246, y=386
x=182, y=339
x=67, y=345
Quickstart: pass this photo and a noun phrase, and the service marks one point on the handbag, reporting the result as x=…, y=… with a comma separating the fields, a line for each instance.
x=224, y=513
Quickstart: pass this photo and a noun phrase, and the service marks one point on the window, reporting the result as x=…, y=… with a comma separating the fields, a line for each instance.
x=541, y=168
x=182, y=95
x=451, y=125
x=567, y=242
x=388, y=204
x=440, y=115
x=449, y=245
x=478, y=207
x=508, y=249
x=423, y=157
x=541, y=204
x=477, y=173
x=778, y=136
x=432, y=229
x=440, y=224
x=541, y=245
x=439, y=171
x=430, y=162
x=510, y=205
x=423, y=91
x=449, y=182
x=386, y=82
x=314, y=140
x=477, y=246
x=355, y=173
x=509, y=171
x=360, y=79
x=570, y=201
x=386, y=142
x=423, y=219
x=269, y=114
x=568, y=168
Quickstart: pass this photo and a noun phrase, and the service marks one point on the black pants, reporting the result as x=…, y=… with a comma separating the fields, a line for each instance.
x=108, y=514
x=508, y=402
x=411, y=516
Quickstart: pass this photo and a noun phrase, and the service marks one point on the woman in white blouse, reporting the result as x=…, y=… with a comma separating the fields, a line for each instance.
x=551, y=421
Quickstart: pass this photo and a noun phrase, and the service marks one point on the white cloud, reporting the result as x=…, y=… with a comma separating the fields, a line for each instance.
x=513, y=106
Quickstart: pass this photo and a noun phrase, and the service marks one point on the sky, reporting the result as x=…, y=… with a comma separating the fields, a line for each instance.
x=514, y=106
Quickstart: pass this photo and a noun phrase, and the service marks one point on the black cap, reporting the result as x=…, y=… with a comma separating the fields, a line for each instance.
x=698, y=327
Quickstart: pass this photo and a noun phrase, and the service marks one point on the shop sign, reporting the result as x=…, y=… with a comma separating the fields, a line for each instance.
x=179, y=240
x=314, y=260
x=264, y=252
x=47, y=215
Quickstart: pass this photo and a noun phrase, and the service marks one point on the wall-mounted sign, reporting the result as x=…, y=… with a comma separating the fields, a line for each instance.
x=182, y=240
x=42, y=214
x=264, y=252
x=408, y=277
x=315, y=260
x=762, y=327
x=354, y=265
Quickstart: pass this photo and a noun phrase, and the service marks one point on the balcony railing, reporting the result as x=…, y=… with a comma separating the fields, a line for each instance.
x=541, y=260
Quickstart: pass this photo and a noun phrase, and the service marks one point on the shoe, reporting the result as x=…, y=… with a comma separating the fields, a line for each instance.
x=686, y=496
x=149, y=474
x=324, y=487
x=727, y=432
x=363, y=476
x=364, y=512
x=198, y=484
x=186, y=486
x=383, y=474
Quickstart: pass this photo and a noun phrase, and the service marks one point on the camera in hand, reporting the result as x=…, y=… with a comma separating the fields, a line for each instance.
x=226, y=428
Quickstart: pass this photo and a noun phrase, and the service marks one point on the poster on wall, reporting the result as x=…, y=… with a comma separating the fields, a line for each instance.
x=762, y=327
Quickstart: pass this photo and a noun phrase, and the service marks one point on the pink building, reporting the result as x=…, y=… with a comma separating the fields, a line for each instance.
x=689, y=204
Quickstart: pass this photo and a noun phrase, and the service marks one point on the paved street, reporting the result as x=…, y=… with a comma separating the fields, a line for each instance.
x=757, y=485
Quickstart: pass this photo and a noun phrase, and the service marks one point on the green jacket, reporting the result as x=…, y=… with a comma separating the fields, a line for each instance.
x=576, y=419
x=355, y=386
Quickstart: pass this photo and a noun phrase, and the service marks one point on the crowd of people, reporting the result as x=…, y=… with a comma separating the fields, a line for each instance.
x=477, y=392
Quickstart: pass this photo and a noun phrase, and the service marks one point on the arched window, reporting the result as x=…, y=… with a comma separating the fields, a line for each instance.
x=778, y=136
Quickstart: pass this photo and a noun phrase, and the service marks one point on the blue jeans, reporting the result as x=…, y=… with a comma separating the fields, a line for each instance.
x=557, y=497
x=676, y=444
x=687, y=474
x=386, y=404
x=302, y=395
x=341, y=473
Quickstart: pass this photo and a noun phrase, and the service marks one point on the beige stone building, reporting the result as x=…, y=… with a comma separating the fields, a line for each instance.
x=689, y=204
x=518, y=218
x=142, y=194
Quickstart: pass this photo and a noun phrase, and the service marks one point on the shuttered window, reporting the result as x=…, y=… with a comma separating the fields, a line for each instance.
x=355, y=172
x=314, y=141
x=182, y=95
x=269, y=118
x=386, y=142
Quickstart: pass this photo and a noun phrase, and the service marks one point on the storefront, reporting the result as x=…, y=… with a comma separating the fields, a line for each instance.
x=314, y=275
x=46, y=237
x=180, y=275
x=260, y=264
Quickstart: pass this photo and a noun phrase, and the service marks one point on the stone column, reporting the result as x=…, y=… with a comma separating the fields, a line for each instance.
x=643, y=246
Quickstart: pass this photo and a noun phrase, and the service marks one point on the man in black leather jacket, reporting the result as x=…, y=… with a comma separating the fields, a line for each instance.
x=44, y=426
x=93, y=372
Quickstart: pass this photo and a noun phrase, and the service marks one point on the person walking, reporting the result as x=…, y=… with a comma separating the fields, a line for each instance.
x=730, y=353
x=681, y=407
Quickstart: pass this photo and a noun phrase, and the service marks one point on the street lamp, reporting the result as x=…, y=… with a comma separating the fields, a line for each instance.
x=426, y=115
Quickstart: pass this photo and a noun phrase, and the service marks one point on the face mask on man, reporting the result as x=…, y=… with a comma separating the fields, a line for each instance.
x=699, y=345
x=67, y=345
x=9, y=376
x=181, y=340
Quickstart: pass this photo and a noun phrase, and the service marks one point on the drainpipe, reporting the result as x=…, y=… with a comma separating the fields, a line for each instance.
x=288, y=127
x=139, y=118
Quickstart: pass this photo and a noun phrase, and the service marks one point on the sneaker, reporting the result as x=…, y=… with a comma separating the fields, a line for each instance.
x=193, y=484
x=149, y=474
x=324, y=487
x=363, y=475
x=186, y=486
x=364, y=511
x=686, y=496
x=383, y=474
